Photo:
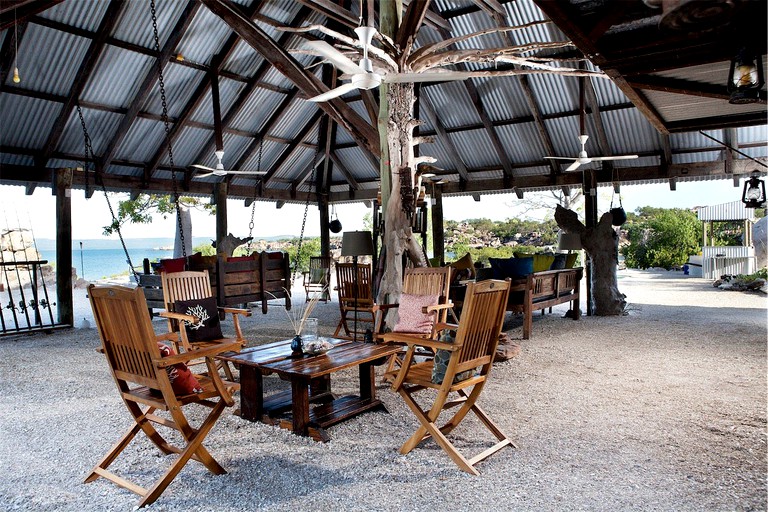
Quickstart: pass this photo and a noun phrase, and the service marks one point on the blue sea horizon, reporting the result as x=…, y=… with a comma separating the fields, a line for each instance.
x=94, y=264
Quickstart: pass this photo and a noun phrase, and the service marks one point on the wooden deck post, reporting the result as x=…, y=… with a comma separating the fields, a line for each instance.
x=438, y=233
x=220, y=196
x=63, y=191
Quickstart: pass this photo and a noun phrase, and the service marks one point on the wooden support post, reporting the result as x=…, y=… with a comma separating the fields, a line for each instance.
x=325, y=232
x=63, y=192
x=438, y=234
x=220, y=194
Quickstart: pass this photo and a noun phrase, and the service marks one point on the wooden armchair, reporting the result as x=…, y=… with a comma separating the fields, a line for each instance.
x=471, y=354
x=191, y=285
x=144, y=383
x=318, y=278
x=355, y=299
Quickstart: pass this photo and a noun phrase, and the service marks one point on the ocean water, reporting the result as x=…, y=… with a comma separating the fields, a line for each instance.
x=93, y=264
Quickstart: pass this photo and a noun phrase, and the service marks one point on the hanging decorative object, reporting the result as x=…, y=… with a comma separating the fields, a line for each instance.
x=745, y=78
x=618, y=213
x=335, y=224
x=16, y=77
x=754, y=192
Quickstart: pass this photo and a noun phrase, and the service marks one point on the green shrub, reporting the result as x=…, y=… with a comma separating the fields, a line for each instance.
x=661, y=237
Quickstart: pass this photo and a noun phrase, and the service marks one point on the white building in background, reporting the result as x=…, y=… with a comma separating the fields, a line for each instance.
x=720, y=260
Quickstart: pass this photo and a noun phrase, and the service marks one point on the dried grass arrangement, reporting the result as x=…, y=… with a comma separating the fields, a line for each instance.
x=298, y=315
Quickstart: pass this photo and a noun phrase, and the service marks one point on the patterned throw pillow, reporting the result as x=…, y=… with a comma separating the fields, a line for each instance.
x=442, y=358
x=209, y=327
x=183, y=381
x=411, y=318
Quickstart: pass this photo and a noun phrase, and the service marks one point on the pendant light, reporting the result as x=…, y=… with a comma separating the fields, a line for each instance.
x=754, y=192
x=16, y=77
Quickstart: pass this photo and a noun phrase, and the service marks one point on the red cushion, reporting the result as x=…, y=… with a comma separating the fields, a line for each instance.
x=183, y=381
x=411, y=319
x=173, y=265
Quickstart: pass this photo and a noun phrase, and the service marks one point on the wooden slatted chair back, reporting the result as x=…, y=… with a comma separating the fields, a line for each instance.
x=345, y=279
x=126, y=332
x=428, y=281
x=481, y=320
x=187, y=285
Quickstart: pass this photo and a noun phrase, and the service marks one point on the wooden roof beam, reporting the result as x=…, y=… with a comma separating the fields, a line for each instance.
x=177, y=32
x=444, y=138
x=292, y=146
x=409, y=27
x=23, y=9
x=361, y=131
x=82, y=76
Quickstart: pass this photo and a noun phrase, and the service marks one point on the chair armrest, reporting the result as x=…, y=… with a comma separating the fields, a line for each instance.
x=436, y=307
x=207, y=352
x=178, y=316
x=384, y=307
x=235, y=311
x=413, y=340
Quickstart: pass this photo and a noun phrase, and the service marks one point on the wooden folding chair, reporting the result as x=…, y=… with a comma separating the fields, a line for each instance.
x=477, y=336
x=355, y=299
x=417, y=281
x=130, y=346
x=318, y=278
x=192, y=285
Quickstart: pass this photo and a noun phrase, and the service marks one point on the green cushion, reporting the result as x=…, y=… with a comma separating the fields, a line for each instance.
x=570, y=260
x=542, y=262
x=442, y=358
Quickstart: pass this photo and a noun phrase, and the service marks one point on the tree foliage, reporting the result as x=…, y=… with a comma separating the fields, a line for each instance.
x=661, y=237
x=309, y=247
x=141, y=209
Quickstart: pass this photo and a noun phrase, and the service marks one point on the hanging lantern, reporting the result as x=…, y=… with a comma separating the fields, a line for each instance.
x=745, y=78
x=754, y=192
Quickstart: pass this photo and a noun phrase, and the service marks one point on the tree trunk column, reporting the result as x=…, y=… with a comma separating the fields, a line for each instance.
x=220, y=196
x=63, y=193
x=590, y=221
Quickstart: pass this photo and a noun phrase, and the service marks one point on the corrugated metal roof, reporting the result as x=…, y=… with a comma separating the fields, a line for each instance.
x=255, y=111
x=32, y=120
x=117, y=75
x=502, y=97
x=83, y=14
x=229, y=90
x=296, y=116
x=627, y=132
x=186, y=146
x=735, y=210
x=180, y=82
x=452, y=103
x=135, y=22
x=522, y=142
x=355, y=162
x=101, y=127
x=244, y=60
x=141, y=141
x=467, y=144
x=677, y=107
x=205, y=32
x=48, y=60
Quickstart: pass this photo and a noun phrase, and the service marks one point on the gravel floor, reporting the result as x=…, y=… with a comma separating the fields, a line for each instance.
x=663, y=409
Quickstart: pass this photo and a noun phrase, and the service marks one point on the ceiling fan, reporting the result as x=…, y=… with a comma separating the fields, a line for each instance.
x=583, y=159
x=219, y=169
x=362, y=75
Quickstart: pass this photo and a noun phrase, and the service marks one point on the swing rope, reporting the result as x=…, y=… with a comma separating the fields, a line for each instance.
x=255, y=193
x=99, y=180
x=167, y=126
x=306, y=209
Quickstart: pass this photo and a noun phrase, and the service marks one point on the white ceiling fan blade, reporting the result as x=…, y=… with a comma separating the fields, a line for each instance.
x=334, y=93
x=575, y=165
x=247, y=173
x=620, y=157
x=203, y=167
x=561, y=158
x=444, y=76
x=335, y=57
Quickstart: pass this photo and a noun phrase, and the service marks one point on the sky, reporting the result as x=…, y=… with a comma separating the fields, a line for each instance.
x=89, y=216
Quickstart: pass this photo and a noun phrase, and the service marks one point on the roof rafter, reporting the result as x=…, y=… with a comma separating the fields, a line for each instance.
x=148, y=82
x=88, y=64
x=443, y=137
x=23, y=9
x=361, y=131
x=292, y=146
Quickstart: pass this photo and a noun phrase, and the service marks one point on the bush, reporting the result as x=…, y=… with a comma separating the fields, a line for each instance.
x=661, y=238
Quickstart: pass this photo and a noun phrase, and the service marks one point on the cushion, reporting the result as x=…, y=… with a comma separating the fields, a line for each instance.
x=559, y=262
x=199, y=262
x=411, y=318
x=209, y=327
x=511, y=267
x=183, y=381
x=570, y=260
x=465, y=269
x=441, y=360
x=542, y=262
x=173, y=265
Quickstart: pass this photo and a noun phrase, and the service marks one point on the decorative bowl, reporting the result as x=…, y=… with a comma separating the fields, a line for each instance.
x=316, y=347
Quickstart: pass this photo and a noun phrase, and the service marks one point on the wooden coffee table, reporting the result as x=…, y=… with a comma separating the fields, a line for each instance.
x=309, y=376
